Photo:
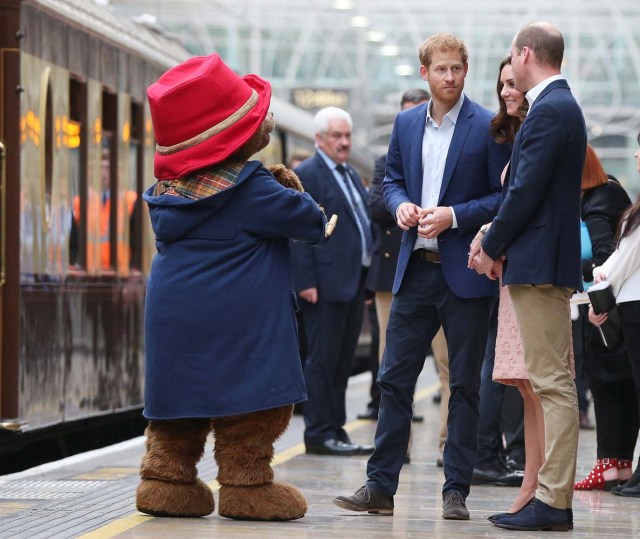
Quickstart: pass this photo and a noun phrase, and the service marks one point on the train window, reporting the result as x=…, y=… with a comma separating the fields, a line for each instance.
x=135, y=187
x=76, y=142
x=46, y=155
x=108, y=184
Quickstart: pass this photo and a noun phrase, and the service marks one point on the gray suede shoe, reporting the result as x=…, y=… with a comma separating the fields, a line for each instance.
x=453, y=506
x=367, y=499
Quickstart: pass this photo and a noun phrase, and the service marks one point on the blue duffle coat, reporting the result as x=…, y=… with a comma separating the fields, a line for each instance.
x=220, y=329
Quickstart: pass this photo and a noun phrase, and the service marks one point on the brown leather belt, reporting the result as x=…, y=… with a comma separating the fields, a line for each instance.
x=426, y=256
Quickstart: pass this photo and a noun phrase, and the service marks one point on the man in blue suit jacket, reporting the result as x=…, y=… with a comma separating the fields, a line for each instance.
x=385, y=257
x=442, y=182
x=330, y=282
x=537, y=232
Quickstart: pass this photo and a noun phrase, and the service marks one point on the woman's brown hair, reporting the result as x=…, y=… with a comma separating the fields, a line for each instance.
x=503, y=127
x=630, y=220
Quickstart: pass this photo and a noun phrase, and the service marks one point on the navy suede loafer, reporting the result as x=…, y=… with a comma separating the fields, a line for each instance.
x=499, y=516
x=537, y=516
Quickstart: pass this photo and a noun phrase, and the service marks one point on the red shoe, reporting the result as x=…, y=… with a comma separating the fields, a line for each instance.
x=596, y=480
x=624, y=470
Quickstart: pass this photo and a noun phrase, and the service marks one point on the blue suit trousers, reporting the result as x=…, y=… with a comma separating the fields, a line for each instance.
x=423, y=303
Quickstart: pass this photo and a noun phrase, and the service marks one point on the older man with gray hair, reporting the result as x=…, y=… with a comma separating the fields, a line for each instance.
x=330, y=284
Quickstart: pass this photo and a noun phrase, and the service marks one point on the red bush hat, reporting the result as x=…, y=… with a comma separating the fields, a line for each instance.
x=202, y=112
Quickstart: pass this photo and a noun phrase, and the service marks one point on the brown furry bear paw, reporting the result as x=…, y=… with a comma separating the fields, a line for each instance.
x=286, y=177
x=165, y=499
x=273, y=501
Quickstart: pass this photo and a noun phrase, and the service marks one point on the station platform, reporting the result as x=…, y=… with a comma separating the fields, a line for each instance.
x=91, y=496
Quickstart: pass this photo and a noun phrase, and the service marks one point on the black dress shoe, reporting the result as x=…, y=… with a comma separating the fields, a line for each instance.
x=368, y=499
x=633, y=481
x=453, y=506
x=343, y=436
x=631, y=492
x=370, y=415
x=497, y=475
x=365, y=449
x=334, y=447
x=515, y=464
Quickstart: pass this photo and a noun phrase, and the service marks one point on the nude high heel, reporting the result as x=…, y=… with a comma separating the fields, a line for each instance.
x=624, y=470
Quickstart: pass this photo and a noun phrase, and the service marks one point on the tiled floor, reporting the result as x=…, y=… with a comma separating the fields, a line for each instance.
x=92, y=495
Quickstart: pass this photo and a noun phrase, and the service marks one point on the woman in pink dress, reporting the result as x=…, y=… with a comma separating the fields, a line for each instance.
x=509, y=365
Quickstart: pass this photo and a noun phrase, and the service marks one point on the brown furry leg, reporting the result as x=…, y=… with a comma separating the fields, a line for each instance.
x=169, y=486
x=273, y=501
x=243, y=451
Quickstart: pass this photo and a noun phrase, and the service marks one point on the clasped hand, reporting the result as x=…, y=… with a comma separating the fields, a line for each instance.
x=431, y=222
x=481, y=261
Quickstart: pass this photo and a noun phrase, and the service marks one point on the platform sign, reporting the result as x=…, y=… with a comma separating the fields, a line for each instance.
x=313, y=99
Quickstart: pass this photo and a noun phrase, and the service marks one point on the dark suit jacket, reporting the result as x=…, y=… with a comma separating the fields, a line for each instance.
x=538, y=225
x=601, y=209
x=335, y=269
x=388, y=235
x=471, y=185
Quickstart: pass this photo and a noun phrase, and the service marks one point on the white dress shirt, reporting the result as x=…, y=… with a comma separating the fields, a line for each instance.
x=533, y=94
x=622, y=269
x=435, y=147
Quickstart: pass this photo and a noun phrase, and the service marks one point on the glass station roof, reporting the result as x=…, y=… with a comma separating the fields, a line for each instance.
x=362, y=54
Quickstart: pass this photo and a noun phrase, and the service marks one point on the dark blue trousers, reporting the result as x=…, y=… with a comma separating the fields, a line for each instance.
x=424, y=303
x=332, y=329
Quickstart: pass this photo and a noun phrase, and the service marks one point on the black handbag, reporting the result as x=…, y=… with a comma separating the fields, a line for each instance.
x=603, y=301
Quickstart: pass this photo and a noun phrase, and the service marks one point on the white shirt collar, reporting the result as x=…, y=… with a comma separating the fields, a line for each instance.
x=452, y=114
x=535, y=92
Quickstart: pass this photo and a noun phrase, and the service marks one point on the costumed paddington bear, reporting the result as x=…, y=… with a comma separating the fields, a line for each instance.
x=220, y=330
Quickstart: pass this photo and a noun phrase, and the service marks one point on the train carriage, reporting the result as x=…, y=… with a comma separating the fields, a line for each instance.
x=75, y=241
x=75, y=245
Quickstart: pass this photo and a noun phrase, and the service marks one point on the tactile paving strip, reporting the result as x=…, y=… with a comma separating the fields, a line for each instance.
x=48, y=490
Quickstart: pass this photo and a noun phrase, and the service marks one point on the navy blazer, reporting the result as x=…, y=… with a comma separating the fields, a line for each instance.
x=471, y=185
x=388, y=235
x=538, y=225
x=335, y=269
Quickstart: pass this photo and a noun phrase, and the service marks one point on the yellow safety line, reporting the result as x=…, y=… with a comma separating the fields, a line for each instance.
x=126, y=523
x=121, y=525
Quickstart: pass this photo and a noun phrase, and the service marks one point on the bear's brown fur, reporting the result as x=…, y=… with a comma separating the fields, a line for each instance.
x=243, y=450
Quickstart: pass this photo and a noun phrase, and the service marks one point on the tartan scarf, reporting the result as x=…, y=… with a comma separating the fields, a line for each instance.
x=201, y=183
